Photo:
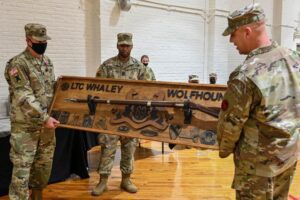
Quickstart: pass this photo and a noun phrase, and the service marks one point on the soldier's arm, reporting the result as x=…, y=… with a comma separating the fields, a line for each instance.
x=23, y=94
x=101, y=72
x=52, y=74
x=235, y=111
x=54, y=81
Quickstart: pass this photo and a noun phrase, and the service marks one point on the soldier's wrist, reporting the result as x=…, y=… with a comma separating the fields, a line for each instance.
x=45, y=118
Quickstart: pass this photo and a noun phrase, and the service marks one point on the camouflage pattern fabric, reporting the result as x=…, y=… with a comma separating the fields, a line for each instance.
x=114, y=68
x=36, y=31
x=249, y=187
x=212, y=75
x=108, y=151
x=247, y=15
x=259, y=121
x=133, y=70
x=31, y=84
x=124, y=38
x=149, y=74
x=32, y=156
x=193, y=78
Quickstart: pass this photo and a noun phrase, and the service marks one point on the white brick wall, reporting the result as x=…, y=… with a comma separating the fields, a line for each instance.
x=173, y=40
x=65, y=21
x=181, y=37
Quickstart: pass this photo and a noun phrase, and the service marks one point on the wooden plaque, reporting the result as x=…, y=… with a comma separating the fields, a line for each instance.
x=75, y=106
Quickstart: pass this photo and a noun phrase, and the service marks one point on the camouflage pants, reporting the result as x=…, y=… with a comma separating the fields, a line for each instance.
x=251, y=187
x=31, y=154
x=108, y=150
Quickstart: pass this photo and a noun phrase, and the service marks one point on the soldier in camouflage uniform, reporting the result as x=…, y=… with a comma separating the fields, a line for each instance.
x=260, y=118
x=145, y=62
x=212, y=78
x=193, y=78
x=31, y=79
x=122, y=66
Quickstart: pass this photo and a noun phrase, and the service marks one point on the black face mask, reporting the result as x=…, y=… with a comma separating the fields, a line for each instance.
x=146, y=64
x=39, y=48
x=212, y=81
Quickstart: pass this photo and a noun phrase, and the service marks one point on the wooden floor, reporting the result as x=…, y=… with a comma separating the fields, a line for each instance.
x=176, y=174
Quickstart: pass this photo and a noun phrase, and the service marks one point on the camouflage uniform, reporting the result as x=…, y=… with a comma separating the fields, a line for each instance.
x=259, y=122
x=132, y=70
x=31, y=84
x=193, y=78
x=148, y=69
x=150, y=74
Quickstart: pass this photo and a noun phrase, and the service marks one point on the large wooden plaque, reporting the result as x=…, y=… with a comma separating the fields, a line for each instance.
x=166, y=124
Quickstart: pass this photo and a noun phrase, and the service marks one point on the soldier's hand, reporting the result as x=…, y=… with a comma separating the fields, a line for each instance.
x=51, y=123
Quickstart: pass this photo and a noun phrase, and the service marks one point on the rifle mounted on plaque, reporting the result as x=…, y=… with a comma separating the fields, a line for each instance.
x=170, y=112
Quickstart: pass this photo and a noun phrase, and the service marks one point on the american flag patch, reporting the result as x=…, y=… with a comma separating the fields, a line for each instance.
x=13, y=71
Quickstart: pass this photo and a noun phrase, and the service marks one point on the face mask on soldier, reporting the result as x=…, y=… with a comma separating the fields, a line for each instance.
x=212, y=80
x=39, y=48
x=146, y=64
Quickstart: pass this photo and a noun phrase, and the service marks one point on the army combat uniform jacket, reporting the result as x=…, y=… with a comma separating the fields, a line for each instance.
x=131, y=70
x=31, y=84
x=31, y=88
x=259, y=121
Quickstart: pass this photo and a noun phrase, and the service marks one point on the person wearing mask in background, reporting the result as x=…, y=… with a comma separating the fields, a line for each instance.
x=259, y=120
x=122, y=66
x=212, y=78
x=30, y=76
x=145, y=61
x=193, y=78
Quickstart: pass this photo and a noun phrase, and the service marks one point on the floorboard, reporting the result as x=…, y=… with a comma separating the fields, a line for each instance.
x=176, y=174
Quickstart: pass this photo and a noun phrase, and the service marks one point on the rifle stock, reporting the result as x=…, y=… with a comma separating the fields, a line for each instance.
x=210, y=111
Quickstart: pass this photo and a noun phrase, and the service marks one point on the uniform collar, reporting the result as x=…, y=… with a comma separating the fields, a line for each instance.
x=28, y=54
x=262, y=50
x=128, y=63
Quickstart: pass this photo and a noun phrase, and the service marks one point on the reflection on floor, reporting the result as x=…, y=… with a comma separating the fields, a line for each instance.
x=176, y=174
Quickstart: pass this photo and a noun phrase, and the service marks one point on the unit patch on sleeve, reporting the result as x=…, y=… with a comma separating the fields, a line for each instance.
x=16, y=76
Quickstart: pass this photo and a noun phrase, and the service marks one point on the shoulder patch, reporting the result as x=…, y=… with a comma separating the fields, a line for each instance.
x=224, y=105
x=17, y=77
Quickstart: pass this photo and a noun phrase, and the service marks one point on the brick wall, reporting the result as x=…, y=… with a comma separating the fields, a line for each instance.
x=65, y=21
x=172, y=36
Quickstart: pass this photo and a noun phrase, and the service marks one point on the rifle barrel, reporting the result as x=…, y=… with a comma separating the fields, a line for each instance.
x=149, y=103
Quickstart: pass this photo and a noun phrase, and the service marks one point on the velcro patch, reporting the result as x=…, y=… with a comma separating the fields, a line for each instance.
x=16, y=76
